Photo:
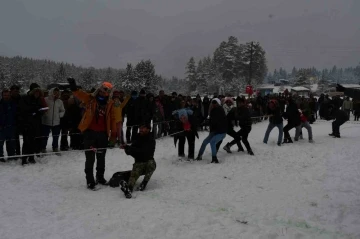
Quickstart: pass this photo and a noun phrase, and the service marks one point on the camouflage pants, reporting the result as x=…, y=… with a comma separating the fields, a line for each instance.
x=140, y=169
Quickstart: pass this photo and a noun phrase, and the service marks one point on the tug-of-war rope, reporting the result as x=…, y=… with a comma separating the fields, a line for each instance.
x=99, y=150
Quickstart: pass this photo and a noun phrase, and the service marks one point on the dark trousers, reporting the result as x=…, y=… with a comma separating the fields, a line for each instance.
x=146, y=168
x=31, y=142
x=17, y=142
x=55, y=131
x=131, y=132
x=93, y=139
x=244, y=134
x=231, y=132
x=289, y=127
x=336, y=126
x=76, y=139
x=7, y=136
x=64, y=144
x=190, y=136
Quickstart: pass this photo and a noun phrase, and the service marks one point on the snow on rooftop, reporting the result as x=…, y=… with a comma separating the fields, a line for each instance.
x=300, y=88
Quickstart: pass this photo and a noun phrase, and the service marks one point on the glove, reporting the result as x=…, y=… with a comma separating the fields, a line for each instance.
x=72, y=84
x=340, y=88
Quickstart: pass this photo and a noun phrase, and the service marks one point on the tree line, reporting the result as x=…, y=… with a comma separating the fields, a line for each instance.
x=22, y=71
x=231, y=67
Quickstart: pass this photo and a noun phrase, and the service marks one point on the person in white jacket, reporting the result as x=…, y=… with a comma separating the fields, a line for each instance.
x=51, y=119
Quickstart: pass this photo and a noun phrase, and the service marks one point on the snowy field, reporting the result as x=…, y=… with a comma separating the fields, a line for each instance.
x=297, y=191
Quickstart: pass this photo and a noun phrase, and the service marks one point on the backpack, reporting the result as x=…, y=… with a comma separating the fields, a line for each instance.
x=114, y=181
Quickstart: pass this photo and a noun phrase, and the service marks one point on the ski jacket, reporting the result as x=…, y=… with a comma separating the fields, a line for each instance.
x=56, y=110
x=90, y=104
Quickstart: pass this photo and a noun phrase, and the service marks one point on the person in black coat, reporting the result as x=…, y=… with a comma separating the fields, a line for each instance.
x=292, y=114
x=73, y=117
x=340, y=117
x=242, y=114
x=218, y=129
x=142, y=150
x=31, y=111
x=142, y=109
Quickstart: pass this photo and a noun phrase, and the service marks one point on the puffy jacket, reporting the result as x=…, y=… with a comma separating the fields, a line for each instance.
x=90, y=103
x=55, y=112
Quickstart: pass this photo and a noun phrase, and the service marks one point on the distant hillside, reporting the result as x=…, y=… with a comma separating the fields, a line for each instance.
x=23, y=71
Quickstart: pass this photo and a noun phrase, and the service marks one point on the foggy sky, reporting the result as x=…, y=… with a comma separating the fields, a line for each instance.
x=102, y=33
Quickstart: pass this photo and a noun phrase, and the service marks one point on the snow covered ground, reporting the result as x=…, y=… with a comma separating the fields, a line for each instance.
x=301, y=190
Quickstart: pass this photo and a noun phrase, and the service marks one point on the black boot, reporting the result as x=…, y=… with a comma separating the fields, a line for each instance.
x=24, y=161
x=332, y=134
x=91, y=186
x=125, y=188
x=32, y=160
x=250, y=152
x=101, y=180
x=227, y=148
x=214, y=160
x=290, y=141
x=199, y=158
x=142, y=186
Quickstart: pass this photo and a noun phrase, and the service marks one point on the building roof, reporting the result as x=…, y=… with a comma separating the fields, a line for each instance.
x=300, y=88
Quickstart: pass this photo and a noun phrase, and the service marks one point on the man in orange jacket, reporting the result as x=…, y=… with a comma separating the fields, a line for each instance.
x=98, y=126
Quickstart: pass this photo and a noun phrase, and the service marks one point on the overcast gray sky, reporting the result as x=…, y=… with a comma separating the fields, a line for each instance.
x=103, y=33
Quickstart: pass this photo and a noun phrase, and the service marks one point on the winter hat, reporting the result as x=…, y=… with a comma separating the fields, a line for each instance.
x=107, y=85
x=142, y=92
x=216, y=101
x=134, y=93
x=229, y=99
x=34, y=86
x=15, y=87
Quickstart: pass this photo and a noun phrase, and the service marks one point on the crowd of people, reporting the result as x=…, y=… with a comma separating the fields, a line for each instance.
x=95, y=121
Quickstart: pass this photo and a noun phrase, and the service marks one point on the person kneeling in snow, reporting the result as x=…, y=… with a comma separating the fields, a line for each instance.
x=142, y=150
